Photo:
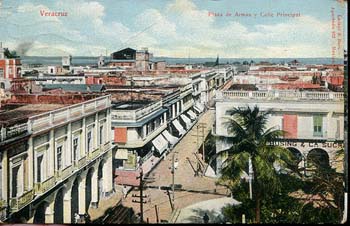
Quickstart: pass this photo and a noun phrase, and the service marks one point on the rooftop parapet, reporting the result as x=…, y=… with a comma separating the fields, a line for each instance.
x=136, y=114
x=43, y=121
x=280, y=95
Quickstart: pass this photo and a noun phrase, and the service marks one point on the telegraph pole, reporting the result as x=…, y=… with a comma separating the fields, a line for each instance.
x=173, y=181
x=203, y=140
x=141, y=195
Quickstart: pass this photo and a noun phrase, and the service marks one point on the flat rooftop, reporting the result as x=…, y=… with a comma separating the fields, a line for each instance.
x=130, y=105
x=11, y=114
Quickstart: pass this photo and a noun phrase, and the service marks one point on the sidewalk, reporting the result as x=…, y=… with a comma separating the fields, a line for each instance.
x=195, y=188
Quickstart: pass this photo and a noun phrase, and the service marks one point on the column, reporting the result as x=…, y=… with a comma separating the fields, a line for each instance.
x=182, y=105
x=82, y=186
x=173, y=110
x=51, y=163
x=108, y=126
x=108, y=175
x=83, y=139
x=49, y=213
x=96, y=138
x=67, y=206
x=69, y=145
x=94, y=189
x=178, y=108
x=30, y=163
x=5, y=175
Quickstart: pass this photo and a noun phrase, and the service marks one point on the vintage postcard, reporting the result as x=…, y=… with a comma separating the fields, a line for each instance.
x=173, y=111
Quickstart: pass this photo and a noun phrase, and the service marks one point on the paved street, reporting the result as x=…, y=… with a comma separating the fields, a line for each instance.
x=194, y=189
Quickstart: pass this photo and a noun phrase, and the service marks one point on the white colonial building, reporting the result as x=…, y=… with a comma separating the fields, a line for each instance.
x=57, y=163
x=314, y=121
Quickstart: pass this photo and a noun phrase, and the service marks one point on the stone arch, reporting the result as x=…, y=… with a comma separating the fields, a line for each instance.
x=40, y=213
x=100, y=178
x=297, y=155
x=59, y=205
x=2, y=85
x=88, y=188
x=75, y=198
x=318, y=157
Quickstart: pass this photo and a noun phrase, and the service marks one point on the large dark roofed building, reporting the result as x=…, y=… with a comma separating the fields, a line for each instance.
x=124, y=54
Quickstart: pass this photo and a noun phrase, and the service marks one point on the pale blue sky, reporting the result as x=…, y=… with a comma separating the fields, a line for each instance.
x=176, y=28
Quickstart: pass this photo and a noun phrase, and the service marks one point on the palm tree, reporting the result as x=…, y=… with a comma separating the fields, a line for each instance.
x=252, y=142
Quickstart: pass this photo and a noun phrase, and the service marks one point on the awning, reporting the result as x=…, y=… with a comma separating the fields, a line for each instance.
x=121, y=154
x=172, y=139
x=186, y=120
x=178, y=126
x=199, y=107
x=160, y=143
x=192, y=114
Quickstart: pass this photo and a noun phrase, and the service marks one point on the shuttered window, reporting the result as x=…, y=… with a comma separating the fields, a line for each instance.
x=318, y=121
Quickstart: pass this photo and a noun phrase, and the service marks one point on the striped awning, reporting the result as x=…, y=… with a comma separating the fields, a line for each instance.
x=172, y=139
x=199, y=107
x=186, y=120
x=192, y=114
x=178, y=126
x=160, y=143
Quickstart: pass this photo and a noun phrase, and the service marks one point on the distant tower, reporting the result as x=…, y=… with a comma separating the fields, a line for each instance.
x=2, y=54
x=101, y=61
x=66, y=62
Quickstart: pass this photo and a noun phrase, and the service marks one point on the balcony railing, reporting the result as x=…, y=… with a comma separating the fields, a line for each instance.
x=19, y=202
x=82, y=162
x=44, y=186
x=94, y=154
x=280, y=95
x=133, y=115
x=9, y=132
x=61, y=175
x=42, y=121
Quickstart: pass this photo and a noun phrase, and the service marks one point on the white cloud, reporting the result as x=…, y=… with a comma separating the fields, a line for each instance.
x=182, y=28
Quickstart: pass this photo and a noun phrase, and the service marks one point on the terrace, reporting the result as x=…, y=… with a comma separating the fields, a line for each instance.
x=134, y=110
x=14, y=118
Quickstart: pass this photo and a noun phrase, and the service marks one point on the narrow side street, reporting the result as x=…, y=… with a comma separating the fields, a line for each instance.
x=193, y=188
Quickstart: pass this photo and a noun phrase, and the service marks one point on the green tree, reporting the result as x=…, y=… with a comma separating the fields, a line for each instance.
x=251, y=140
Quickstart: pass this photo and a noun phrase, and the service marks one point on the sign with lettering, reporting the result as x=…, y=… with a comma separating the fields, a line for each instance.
x=309, y=144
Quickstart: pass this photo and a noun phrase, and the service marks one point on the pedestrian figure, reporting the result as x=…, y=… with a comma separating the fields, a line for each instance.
x=77, y=218
x=176, y=163
x=206, y=218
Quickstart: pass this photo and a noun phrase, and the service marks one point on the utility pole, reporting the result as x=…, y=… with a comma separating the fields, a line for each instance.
x=141, y=195
x=173, y=181
x=203, y=143
x=202, y=126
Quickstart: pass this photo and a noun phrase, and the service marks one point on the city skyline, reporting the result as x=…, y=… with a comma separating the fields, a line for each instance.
x=181, y=28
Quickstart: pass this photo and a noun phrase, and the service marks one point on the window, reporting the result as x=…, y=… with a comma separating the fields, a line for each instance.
x=89, y=141
x=290, y=126
x=101, y=134
x=15, y=184
x=75, y=149
x=318, y=121
x=1, y=72
x=337, y=134
x=39, y=175
x=59, y=157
